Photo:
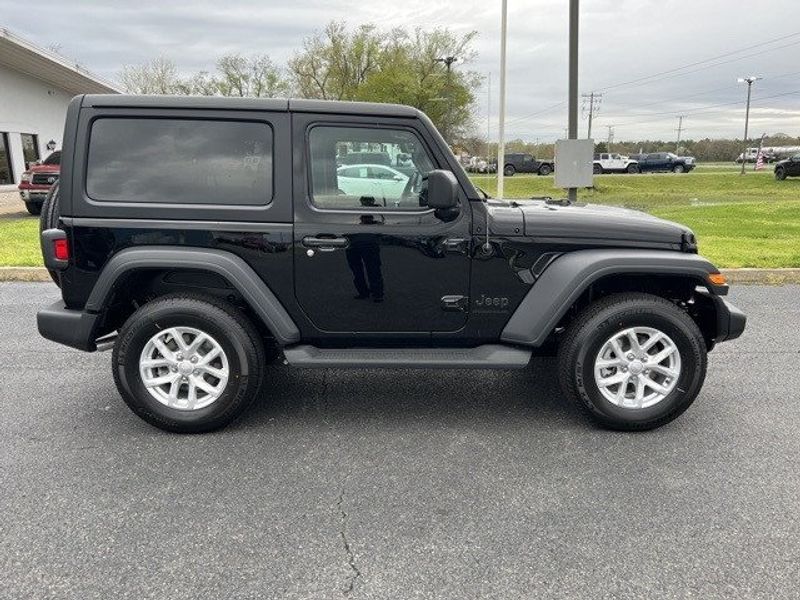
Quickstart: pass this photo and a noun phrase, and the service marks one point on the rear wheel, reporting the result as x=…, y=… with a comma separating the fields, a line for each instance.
x=597, y=169
x=188, y=364
x=49, y=218
x=632, y=361
x=509, y=170
x=33, y=208
x=780, y=173
x=633, y=169
x=545, y=170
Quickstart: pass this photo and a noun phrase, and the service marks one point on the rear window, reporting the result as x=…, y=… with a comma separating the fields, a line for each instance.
x=180, y=161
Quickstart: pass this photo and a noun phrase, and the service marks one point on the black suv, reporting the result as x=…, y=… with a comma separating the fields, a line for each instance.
x=789, y=167
x=202, y=238
x=525, y=163
x=664, y=162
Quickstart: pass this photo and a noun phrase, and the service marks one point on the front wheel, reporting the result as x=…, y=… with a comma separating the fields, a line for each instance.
x=34, y=208
x=780, y=174
x=509, y=171
x=632, y=169
x=545, y=170
x=632, y=361
x=597, y=169
x=188, y=364
x=678, y=169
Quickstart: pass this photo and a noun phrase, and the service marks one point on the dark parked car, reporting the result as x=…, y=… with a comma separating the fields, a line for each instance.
x=525, y=163
x=665, y=162
x=203, y=238
x=789, y=167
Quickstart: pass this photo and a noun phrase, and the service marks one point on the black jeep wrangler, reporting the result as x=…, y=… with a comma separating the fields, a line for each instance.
x=203, y=238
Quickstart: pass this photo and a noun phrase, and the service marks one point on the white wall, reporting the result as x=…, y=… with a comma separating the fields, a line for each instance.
x=29, y=105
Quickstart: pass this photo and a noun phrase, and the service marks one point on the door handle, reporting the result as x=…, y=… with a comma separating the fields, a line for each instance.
x=325, y=244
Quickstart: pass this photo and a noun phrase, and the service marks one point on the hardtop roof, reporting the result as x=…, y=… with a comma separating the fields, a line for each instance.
x=251, y=104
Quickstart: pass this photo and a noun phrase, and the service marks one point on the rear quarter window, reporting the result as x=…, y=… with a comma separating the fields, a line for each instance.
x=180, y=161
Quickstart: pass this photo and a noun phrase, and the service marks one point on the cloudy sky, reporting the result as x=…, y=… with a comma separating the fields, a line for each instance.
x=652, y=59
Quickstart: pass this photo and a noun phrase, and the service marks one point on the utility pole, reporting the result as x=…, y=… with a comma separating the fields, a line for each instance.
x=574, y=22
x=749, y=81
x=591, y=104
x=610, y=137
x=501, y=141
x=680, y=129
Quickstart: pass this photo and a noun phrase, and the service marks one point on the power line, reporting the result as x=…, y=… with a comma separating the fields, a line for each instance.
x=700, y=62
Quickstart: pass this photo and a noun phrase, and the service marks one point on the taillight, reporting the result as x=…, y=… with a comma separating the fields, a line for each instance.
x=61, y=249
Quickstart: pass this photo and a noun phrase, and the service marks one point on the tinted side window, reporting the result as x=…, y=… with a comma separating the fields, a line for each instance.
x=391, y=173
x=180, y=161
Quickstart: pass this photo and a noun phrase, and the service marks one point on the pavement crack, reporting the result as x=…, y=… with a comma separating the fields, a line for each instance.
x=351, y=561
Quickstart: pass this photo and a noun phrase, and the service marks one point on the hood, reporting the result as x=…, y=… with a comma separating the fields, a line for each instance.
x=54, y=169
x=598, y=223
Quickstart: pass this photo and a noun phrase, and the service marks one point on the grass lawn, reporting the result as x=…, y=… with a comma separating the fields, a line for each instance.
x=750, y=221
x=19, y=242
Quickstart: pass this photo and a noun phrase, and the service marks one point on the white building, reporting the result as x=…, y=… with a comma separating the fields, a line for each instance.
x=36, y=86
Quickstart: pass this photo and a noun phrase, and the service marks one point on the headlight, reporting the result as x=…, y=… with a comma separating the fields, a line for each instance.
x=26, y=176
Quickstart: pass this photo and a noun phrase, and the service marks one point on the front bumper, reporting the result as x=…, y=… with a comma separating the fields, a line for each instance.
x=73, y=328
x=730, y=320
x=33, y=195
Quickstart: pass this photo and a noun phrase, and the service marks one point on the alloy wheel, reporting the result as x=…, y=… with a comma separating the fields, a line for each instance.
x=637, y=367
x=184, y=368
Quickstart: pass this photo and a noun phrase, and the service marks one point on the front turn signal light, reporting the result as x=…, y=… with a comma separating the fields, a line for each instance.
x=718, y=279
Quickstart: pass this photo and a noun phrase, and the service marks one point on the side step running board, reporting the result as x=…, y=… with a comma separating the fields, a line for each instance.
x=490, y=356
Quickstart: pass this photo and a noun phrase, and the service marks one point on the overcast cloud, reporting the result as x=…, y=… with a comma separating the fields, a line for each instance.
x=621, y=41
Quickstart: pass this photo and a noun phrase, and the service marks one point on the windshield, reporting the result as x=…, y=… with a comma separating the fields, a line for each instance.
x=53, y=159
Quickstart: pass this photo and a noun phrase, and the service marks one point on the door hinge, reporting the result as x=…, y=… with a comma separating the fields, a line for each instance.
x=454, y=303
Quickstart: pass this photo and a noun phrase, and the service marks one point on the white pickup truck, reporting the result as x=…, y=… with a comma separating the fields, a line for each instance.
x=614, y=163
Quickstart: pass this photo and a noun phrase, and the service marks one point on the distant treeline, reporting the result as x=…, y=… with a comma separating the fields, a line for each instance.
x=706, y=150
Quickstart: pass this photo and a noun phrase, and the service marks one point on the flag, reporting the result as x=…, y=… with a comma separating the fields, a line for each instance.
x=759, y=160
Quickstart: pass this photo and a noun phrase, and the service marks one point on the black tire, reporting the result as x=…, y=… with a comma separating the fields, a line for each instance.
x=780, y=174
x=633, y=169
x=49, y=219
x=545, y=170
x=585, y=337
x=238, y=337
x=509, y=170
x=597, y=169
x=33, y=208
x=678, y=169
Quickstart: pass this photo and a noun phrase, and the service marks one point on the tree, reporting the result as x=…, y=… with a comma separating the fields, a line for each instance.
x=255, y=76
x=334, y=63
x=158, y=76
x=396, y=66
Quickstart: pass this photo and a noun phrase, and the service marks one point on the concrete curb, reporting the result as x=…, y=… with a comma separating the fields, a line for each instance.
x=736, y=276
x=24, y=274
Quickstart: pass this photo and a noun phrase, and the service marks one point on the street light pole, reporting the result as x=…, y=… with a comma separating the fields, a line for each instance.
x=448, y=62
x=749, y=81
x=574, y=12
x=501, y=128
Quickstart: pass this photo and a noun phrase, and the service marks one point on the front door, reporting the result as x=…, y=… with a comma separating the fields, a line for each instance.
x=370, y=256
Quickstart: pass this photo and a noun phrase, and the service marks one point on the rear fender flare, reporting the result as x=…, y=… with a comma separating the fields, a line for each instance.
x=567, y=277
x=233, y=268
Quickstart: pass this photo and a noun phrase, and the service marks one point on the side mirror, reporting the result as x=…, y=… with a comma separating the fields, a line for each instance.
x=442, y=189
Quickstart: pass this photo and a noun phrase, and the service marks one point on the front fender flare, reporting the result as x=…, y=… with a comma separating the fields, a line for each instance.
x=567, y=277
x=233, y=268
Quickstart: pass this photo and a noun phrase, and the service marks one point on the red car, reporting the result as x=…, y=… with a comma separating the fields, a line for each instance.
x=37, y=181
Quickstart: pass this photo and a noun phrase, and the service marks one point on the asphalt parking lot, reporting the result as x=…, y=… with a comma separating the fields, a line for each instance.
x=400, y=484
